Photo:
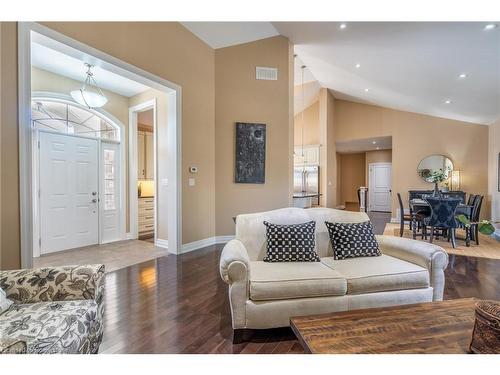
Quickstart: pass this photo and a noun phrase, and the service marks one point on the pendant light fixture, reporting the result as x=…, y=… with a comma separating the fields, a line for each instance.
x=86, y=97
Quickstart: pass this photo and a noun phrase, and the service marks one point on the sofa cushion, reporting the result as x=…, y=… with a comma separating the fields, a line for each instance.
x=291, y=243
x=53, y=327
x=272, y=281
x=378, y=274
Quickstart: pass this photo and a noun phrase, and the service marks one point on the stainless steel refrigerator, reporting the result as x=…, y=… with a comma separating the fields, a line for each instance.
x=306, y=180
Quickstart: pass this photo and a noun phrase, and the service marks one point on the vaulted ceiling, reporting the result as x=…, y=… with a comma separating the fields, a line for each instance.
x=411, y=66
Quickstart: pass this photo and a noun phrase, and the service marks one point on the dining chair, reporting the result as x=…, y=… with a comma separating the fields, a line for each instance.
x=442, y=216
x=476, y=211
x=470, y=201
x=403, y=217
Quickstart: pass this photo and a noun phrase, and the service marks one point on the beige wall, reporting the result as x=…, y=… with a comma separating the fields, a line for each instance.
x=161, y=154
x=415, y=136
x=310, y=122
x=178, y=56
x=493, y=171
x=352, y=168
x=10, y=230
x=376, y=156
x=240, y=97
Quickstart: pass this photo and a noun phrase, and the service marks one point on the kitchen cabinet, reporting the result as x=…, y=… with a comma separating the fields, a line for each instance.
x=146, y=217
x=145, y=155
x=311, y=155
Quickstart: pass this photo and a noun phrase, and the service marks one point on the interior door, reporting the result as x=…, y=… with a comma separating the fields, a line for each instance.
x=68, y=192
x=380, y=189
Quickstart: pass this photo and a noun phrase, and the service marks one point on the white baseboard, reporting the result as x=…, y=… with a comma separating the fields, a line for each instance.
x=161, y=243
x=210, y=241
x=224, y=239
x=130, y=236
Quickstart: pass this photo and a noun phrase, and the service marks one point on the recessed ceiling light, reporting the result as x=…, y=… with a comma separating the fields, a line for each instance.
x=366, y=90
x=490, y=26
x=462, y=75
x=448, y=101
x=374, y=142
x=343, y=26
x=357, y=65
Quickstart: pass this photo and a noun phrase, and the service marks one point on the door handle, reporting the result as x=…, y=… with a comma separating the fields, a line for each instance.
x=94, y=200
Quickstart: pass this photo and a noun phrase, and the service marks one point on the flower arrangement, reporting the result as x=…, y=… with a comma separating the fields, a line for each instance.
x=439, y=175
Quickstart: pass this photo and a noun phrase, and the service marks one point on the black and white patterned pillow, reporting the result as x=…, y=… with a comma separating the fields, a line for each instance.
x=352, y=240
x=291, y=243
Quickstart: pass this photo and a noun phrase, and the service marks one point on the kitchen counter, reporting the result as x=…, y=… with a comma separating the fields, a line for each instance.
x=306, y=195
x=305, y=199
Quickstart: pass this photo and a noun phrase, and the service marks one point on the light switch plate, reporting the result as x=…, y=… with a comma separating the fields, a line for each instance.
x=164, y=181
x=191, y=181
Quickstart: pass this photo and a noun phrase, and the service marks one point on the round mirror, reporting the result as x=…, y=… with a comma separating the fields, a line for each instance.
x=432, y=164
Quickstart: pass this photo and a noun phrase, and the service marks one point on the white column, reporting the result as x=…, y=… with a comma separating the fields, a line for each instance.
x=362, y=198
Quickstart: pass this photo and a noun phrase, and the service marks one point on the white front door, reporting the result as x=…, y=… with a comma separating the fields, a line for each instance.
x=68, y=192
x=379, y=187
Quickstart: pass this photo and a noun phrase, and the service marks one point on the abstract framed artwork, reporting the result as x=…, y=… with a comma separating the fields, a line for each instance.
x=250, y=165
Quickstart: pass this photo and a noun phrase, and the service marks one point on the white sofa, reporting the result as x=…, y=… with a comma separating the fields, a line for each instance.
x=265, y=295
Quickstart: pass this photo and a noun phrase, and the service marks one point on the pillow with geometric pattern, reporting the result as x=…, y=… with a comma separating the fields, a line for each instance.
x=291, y=243
x=352, y=240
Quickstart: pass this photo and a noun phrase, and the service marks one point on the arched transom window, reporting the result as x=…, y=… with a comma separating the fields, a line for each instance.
x=65, y=117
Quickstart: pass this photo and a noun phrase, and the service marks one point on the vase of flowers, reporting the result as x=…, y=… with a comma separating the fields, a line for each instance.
x=437, y=177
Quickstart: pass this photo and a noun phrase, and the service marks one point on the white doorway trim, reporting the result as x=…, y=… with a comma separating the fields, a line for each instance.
x=371, y=184
x=132, y=152
x=26, y=146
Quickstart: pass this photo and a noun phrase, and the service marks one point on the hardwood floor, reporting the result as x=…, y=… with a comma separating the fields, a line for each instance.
x=179, y=304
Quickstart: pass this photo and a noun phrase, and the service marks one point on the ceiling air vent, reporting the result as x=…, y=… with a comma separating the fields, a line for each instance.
x=266, y=74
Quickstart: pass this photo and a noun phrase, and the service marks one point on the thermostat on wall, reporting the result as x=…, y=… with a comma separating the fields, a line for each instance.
x=193, y=169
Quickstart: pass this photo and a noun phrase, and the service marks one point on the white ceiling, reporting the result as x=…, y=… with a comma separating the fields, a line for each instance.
x=362, y=145
x=411, y=66
x=224, y=34
x=53, y=60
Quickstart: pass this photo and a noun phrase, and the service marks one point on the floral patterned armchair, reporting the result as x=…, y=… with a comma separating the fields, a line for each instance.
x=54, y=310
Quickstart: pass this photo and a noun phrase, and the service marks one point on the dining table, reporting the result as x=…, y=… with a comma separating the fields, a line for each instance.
x=417, y=205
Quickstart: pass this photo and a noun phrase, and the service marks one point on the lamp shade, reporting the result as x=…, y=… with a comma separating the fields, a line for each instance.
x=455, y=180
x=88, y=98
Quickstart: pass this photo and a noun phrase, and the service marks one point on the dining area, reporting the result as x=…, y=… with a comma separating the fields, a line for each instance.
x=439, y=213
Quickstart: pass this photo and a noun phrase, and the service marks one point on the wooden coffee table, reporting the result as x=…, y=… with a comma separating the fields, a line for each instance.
x=434, y=327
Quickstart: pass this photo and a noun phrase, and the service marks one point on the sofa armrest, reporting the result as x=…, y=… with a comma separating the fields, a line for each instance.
x=54, y=283
x=234, y=263
x=12, y=346
x=432, y=257
x=234, y=269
